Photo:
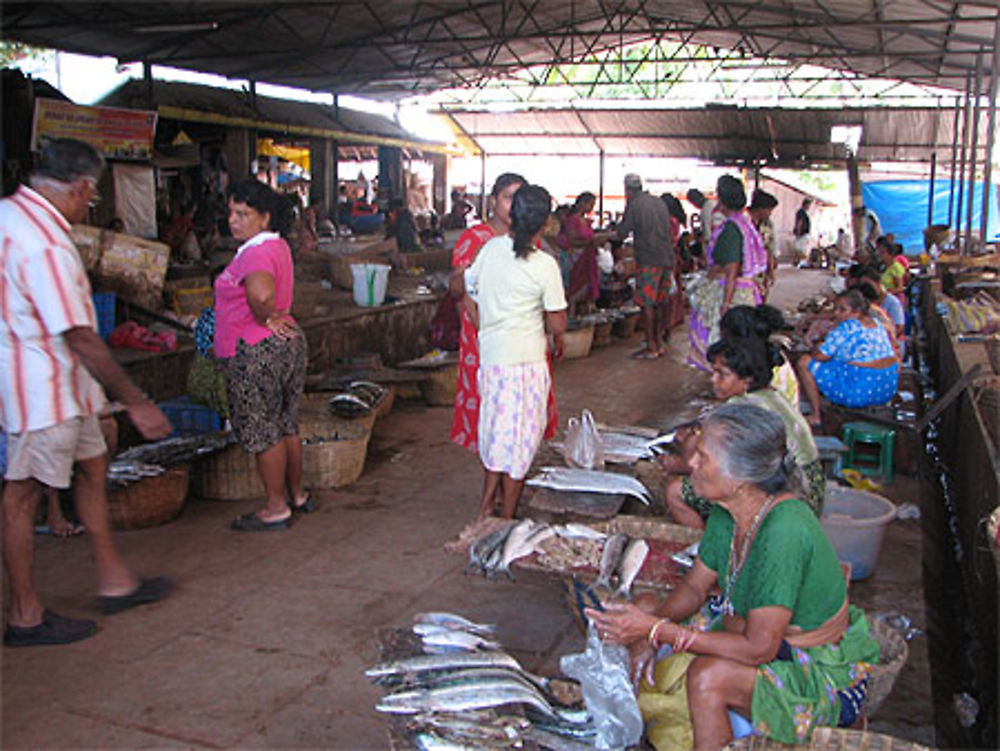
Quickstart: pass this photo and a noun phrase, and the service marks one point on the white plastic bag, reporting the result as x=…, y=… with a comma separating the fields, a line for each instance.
x=584, y=447
x=603, y=673
x=605, y=260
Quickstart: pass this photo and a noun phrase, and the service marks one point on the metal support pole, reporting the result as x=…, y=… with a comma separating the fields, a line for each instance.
x=600, y=188
x=991, y=131
x=966, y=117
x=974, y=150
x=954, y=160
x=482, y=183
x=930, y=197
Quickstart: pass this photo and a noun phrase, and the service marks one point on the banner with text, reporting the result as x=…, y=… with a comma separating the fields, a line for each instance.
x=116, y=133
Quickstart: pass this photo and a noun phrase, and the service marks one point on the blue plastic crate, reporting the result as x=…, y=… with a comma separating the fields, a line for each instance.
x=189, y=418
x=104, y=304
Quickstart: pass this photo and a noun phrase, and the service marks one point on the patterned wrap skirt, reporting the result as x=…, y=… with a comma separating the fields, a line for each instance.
x=853, y=385
x=512, y=415
x=706, y=298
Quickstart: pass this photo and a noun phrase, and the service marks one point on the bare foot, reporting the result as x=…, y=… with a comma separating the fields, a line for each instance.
x=814, y=420
x=62, y=527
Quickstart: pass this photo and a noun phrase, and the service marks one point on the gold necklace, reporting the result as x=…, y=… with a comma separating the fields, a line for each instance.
x=736, y=564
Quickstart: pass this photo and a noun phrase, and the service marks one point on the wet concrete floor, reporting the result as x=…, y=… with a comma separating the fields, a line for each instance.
x=264, y=643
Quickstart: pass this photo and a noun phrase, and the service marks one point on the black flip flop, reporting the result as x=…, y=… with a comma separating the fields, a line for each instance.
x=253, y=523
x=54, y=629
x=149, y=590
x=306, y=507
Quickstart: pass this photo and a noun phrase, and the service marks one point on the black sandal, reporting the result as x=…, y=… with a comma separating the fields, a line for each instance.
x=148, y=591
x=54, y=629
x=253, y=523
x=306, y=507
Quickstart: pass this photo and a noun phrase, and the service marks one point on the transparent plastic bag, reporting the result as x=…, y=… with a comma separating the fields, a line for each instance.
x=584, y=447
x=603, y=673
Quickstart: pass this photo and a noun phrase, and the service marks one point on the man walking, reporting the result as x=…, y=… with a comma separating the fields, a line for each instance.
x=648, y=219
x=50, y=392
x=801, y=230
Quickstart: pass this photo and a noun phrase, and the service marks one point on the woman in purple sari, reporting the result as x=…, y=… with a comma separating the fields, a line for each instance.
x=736, y=257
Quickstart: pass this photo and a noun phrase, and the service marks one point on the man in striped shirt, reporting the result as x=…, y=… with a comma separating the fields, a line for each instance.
x=54, y=367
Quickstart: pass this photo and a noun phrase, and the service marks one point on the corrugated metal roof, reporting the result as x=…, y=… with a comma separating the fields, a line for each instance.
x=770, y=136
x=397, y=48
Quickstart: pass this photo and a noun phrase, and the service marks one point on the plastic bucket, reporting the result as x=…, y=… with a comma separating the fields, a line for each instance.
x=855, y=522
x=370, y=280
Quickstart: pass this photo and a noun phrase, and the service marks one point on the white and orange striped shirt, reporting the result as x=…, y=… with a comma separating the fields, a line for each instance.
x=44, y=292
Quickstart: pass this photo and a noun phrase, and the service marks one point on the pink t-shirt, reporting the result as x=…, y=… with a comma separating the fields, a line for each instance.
x=233, y=318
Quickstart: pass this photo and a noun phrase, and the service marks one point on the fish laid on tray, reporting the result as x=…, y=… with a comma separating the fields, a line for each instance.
x=589, y=481
x=627, y=448
x=493, y=553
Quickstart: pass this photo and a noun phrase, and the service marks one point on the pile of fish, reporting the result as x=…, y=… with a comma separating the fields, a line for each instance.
x=122, y=472
x=563, y=547
x=589, y=481
x=627, y=448
x=179, y=449
x=452, y=699
x=359, y=398
x=149, y=459
x=493, y=553
x=621, y=561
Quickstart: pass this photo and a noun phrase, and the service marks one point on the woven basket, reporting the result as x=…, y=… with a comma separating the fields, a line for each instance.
x=831, y=739
x=894, y=653
x=151, y=501
x=228, y=475
x=992, y=346
x=578, y=342
x=602, y=334
x=333, y=464
x=649, y=529
x=440, y=386
x=625, y=327
x=316, y=420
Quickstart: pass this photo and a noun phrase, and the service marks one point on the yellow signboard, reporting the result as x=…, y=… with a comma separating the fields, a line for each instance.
x=116, y=133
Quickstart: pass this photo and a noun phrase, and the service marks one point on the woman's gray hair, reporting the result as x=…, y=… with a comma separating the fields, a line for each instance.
x=750, y=445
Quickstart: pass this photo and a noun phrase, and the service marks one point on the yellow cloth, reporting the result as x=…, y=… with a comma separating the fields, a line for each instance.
x=664, y=707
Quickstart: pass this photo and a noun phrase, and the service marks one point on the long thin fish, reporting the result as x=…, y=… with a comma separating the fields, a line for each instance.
x=483, y=547
x=547, y=739
x=628, y=569
x=614, y=546
x=525, y=546
x=454, y=621
x=460, y=698
x=450, y=639
x=589, y=481
x=451, y=660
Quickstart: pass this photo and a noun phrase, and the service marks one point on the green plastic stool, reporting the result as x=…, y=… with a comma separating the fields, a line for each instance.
x=865, y=432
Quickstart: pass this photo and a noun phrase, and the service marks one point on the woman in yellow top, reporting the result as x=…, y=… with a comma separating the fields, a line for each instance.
x=894, y=275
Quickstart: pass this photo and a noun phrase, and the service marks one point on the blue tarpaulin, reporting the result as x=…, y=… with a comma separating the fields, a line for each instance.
x=901, y=206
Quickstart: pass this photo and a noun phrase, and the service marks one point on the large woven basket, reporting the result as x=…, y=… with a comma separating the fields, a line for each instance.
x=228, y=475
x=894, y=653
x=625, y=327
x=316, y=420
x=439, y=387
x=578, y=342
x=602, y=334
x=831, y=739
x=335, y=463
x=151, y=501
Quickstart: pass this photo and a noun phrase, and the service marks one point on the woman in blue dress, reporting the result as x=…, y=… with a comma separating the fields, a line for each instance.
x=855, y=366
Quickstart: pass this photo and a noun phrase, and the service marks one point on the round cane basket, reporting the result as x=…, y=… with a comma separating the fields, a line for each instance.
x=315, y=418
x=893, y=655
x=338, y=462
x=151, y=501
x=578, y=342
x=228, y=475
x=625, y=327
x=831, y=739
x=602, y=334
x=439, y=387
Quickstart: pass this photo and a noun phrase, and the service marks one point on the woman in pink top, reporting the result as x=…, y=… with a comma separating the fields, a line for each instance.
x=263, y=351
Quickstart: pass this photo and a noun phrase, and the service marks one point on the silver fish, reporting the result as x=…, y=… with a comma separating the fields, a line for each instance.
x=472, y=734
x=523, y=544
x=632, y=560
x=575, y=530
x=450, y=639
x=349, y=399
x=611, y=554
x=434, y=679
x=590, y=481
x=453, y=621
x=482, y=548
x=449, y=661
x=428, y=741
x=461, y=697
x=548, y=739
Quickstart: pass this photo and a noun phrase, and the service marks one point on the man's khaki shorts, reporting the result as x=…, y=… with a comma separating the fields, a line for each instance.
x=47, y=455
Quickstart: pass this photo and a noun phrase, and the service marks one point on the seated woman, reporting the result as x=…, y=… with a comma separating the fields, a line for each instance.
x=855, y=366
x=742, y=372
x=763, y=322
x=784, y=647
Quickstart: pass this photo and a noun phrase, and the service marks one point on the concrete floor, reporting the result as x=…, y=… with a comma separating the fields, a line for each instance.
x=264, y=643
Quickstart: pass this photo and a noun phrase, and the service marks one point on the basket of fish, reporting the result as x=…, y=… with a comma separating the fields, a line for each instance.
x=144, y=495
x=453, y=686
x=335, y=460
x=229, y=475
x=319, y=416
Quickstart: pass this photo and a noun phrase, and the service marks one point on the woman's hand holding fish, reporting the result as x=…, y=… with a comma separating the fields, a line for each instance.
x=622, y=622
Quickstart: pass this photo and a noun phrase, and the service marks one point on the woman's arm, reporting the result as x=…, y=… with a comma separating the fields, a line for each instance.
x=756, y=644
x=260, y=294
x=730, y=271
x=555, y=324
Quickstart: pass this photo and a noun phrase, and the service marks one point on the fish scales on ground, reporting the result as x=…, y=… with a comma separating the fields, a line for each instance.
x=589, y=481
x=628, y=569
x=449, y=661
x=614, y=548
x=480, y=695
x=453, y=621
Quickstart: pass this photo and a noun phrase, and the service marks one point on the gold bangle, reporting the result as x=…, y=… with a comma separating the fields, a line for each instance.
x=651, y=637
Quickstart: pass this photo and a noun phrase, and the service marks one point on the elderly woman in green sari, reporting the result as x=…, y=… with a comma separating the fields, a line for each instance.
x=783, y=647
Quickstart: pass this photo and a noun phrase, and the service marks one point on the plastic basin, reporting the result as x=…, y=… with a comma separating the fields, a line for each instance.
x=855, y=522
x=370, y=280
